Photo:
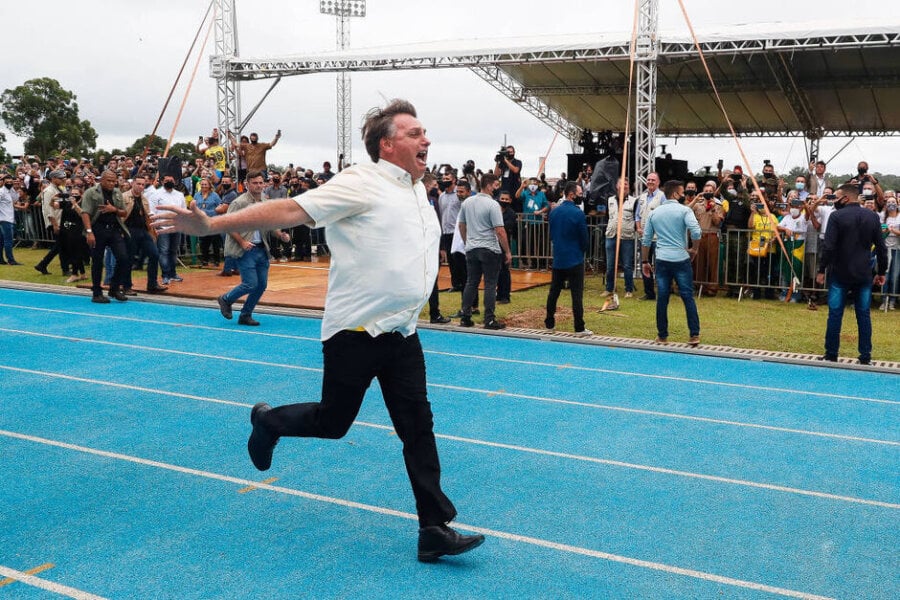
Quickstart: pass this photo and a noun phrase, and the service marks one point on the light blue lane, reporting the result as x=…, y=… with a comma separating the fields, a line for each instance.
x=754, y=535
x=780, y=458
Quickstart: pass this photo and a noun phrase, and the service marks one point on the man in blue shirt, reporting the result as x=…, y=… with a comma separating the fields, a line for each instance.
x=671, y=222
x=569, y=235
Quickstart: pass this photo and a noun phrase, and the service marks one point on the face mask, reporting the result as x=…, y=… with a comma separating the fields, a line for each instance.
x=444, y=185
x=892, y=208
x=800, y=185
x=795, y=212
x=732, y=192
x=532, y=188
x=690, y=193
x=708, y=195
x=169, y=186
x=868, y=193
x=434, y=193
x=226, y=186
x=7, y=186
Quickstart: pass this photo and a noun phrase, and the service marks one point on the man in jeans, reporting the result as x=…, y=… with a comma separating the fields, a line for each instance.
x=847, y=256
x=671, y=222
x=481, y=228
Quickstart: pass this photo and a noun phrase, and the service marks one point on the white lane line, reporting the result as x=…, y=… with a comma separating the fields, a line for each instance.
x=711, y=577
x=666, y=415
x=47, y=585
x=603, y=461
x=160, y=350
x=488, y=393
x=801, y=392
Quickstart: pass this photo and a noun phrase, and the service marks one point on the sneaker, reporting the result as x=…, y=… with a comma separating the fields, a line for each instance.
x=629, y=295
x=129, y=292
x=605, y=294
x=475, y=311
x=466, y=322
x=584, y=332
x=72, y=279
x=175, y=278
x=811, y=305
x=694, y=341
x=495, y=325
x=166, y=281
x=828, y=357
x=100, y=299
x=440, y=320
x=282, y=260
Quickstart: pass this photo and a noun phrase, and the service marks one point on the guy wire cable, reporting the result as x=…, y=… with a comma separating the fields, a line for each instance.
x=787, y=256
x=190, y=83
x=172, y=91
x=613, y=302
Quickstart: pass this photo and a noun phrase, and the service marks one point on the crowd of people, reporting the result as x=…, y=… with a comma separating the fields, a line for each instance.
x=761, y=239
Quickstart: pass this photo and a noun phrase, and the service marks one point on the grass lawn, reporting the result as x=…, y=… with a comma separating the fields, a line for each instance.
x=762, y=324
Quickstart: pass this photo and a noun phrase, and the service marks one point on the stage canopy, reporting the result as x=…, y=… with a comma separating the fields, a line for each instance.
x=829, y=79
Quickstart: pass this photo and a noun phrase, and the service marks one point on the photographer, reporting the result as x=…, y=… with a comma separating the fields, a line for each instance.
x=508, y=168
x=72, y=248
x=51, y=219
x=864, y=177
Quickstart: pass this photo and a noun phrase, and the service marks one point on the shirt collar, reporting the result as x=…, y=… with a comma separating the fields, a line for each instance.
x=395, y=172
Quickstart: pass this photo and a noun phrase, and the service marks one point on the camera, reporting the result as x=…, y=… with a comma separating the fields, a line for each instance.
x=767, y=162
x=469, y=167
x=831, y=197
x=758, y=206
x=502, y=155
x=796, y=202
x=781, y=205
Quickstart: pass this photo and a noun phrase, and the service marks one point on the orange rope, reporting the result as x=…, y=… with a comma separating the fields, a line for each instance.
x=620, y=192
x=740, y=148
x=190, y=83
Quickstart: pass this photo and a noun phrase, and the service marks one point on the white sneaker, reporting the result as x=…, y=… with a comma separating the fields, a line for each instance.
x=629, y=295
x=72, y=279
x=605, y=294
x=584, y=332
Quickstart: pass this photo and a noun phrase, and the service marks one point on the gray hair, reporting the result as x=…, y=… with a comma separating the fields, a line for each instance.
x=379, y=124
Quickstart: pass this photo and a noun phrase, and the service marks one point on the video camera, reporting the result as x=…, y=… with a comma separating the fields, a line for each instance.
x=502, y=155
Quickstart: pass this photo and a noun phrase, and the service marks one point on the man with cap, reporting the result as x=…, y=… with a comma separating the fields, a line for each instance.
x=51, y=218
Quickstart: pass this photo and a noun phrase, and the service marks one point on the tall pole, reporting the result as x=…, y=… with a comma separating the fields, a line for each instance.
x=228, y=93
x=342, y=11
x=646, y=53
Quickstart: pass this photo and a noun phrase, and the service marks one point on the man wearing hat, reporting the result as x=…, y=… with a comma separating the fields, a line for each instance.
x=51, y=218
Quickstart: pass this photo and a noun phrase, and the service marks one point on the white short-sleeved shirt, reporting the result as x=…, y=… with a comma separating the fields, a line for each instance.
x=796, y=225
x=383, y=236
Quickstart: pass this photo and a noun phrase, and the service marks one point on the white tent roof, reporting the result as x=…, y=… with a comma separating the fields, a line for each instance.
x=775, y=79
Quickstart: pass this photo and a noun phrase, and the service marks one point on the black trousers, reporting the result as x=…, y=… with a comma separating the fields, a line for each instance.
x=352, y=359
x=575, y=277
x=112, y=237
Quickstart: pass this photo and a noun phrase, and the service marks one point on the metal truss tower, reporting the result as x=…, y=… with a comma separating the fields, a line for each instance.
x=228, y=92
x=645, y=56
x=342, y=11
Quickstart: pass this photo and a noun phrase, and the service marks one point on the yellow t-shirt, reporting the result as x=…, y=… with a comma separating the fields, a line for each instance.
x=217, y=153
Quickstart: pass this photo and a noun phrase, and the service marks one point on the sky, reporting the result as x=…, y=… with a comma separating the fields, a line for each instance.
x=121, y=57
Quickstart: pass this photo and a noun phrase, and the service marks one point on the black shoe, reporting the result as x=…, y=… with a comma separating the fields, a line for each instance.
x=440, y=320
x=495, y=325
x=41, y=269
x=502, y=300
x=475, y=311
x=224, y=274
x=828, y=357
x=439, y=540
x=549, y=324
x=13, y=263
x=458, y=315
x=156, y=289
x=119, y=295
x=865, y=360
x=247, y=320
x=465, y=321
x=3, y=262
x=646, y=297
x=100, y=299
x=261, y=442
x=129, y=292
x=224, y=307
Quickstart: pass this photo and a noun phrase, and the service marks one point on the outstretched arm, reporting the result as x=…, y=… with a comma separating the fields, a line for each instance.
x=272, y=214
